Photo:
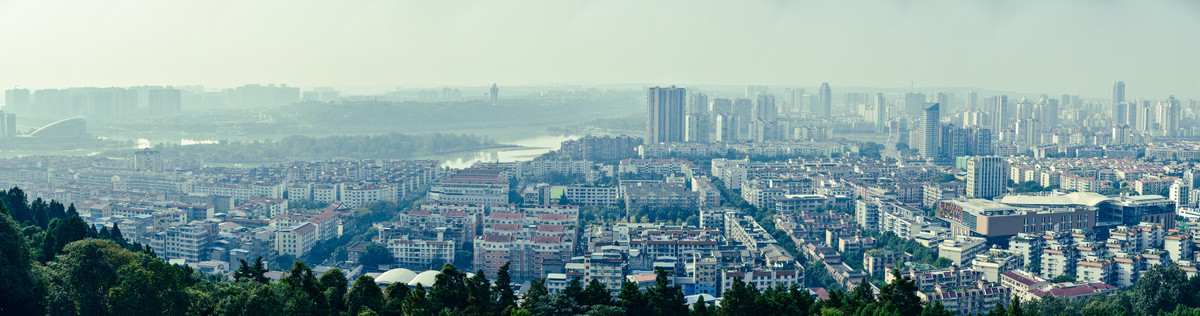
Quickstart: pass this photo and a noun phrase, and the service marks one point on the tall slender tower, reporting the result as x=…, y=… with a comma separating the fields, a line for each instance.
x=697, y=103
x=879, y=112
x=914, y=103
x=666, y=115
x=1169, y=119
x=1134, y=114
x=17, y=100
x=743, y=108
x=1118, y=92
x=946, y=100
x=1120, y=113
x=765, y=108
x=1002, y=115
x=495, y=94
x=793, y=99
x=826, y=101
x=930, y=131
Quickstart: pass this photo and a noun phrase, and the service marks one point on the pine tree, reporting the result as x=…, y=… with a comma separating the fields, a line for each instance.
x=999, y=310
x=395, y=294
x=450, y=289
x=298, y=276
x=417, y=302
x=18, y=292
x=536, y=293
x=937, y=309
x=863, y=294
x=259, y=271
x=60, y=233
x=71, y=211
x=801, y=299
x=364, y=295
x=333, y=283
x=701, y=308
x=574, y=290
x=57, y=210
x=41, y=213
x=632, y=299
x=17, y=205
x=900, y=295
x=48, y=249
x=596, y=294
x=253, y=273
x=117, y=237
x=243, y=271
x=776, y=300
x=666, y=299
x=506, y=299
x=479, y=295
x=1014, y=308
x=302, y=280
x=738, y=300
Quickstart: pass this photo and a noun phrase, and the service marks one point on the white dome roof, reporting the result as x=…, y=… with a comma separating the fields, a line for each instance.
x=398, y=275
x=425, y=279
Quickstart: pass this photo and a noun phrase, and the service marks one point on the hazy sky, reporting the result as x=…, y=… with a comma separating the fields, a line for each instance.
x=1028, y=46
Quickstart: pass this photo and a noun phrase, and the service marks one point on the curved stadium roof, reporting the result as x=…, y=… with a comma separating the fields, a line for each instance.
x=398, y=275
x=75, y=127
x=1076, y=198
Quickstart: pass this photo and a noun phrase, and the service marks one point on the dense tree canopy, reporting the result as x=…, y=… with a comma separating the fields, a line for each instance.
x=93, y=274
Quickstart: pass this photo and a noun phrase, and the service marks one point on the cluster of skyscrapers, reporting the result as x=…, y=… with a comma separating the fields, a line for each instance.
x=674, y=115
x=113, y=103
x=150, y=101
x=1143, y=115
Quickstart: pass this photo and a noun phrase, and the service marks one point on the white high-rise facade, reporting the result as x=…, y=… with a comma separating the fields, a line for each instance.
x=825, y=106
x=930, y=132
x=666, y=115
x=1118, y=92
x=765, y=108
x=985, y=177
x=1168, y=117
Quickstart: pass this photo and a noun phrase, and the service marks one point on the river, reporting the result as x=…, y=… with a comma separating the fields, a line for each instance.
x=529, y=148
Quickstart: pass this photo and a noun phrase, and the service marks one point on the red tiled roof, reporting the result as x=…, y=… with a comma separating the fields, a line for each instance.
x=505, y=227
x=496, y=238
x=554, y=216
x=822, y=293
x=320, y=218
x=506, y=215
x=546, y=239
x=551, y=228
x=1017, y=277
x=304, y=229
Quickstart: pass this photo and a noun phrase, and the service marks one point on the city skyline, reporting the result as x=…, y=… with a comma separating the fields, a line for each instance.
x=797, y=43
x=680, y=158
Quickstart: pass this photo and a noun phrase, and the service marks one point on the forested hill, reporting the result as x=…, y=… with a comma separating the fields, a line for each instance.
x=292, y=148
